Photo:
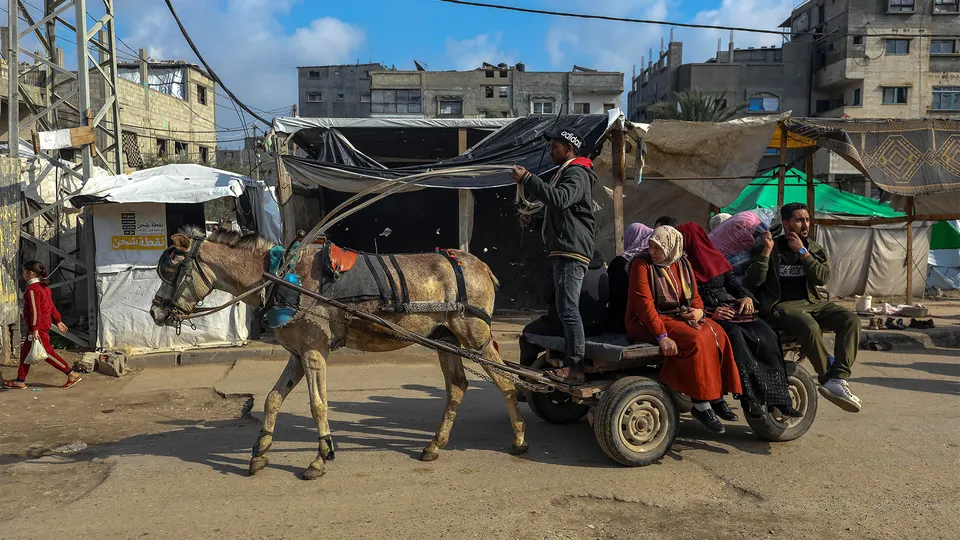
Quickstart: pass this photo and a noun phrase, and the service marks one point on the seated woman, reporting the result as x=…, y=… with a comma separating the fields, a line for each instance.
x=663, y=307
x=756, y=347
x=635, y=239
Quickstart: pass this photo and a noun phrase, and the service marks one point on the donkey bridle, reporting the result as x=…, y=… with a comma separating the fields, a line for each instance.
x=180, y=281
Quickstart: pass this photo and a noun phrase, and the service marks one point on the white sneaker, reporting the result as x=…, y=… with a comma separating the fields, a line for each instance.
x=838, y=392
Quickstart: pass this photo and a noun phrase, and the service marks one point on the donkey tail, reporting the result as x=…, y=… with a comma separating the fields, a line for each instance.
x=493, y=278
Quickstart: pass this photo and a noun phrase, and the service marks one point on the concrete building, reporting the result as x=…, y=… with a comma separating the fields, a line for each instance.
x=488, y=92
x=765, y=80
x=341, y=91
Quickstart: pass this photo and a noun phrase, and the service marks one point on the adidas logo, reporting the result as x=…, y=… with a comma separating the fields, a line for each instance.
x=574, y=140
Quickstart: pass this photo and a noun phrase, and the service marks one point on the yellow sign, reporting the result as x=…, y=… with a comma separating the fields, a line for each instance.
x=139, y=242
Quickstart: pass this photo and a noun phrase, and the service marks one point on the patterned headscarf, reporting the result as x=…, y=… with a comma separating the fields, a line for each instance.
x=670, y=241
x=635, y=240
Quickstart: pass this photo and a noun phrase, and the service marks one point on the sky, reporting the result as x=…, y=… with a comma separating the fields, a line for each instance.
x=255, y=45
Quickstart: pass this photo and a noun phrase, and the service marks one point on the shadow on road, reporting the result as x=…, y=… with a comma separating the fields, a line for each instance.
x=931, y=386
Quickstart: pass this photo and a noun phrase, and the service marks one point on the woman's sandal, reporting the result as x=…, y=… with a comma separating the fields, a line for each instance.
x=71, y=382
x=14, y=386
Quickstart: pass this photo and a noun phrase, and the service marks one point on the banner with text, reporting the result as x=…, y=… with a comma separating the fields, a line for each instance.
x=129, y=235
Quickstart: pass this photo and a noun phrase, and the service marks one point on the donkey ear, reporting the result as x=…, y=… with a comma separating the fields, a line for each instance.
x=181, y=242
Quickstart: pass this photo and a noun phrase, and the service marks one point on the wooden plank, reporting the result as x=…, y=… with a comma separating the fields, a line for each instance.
x=909, y=261
x=465, y=201
x=619, y=177
x=586, y=391
x=93, y=302
x=811, y=192
x=781, y=175
x=869, y=222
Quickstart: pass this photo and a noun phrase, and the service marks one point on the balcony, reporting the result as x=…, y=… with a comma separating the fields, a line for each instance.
x=837, y=75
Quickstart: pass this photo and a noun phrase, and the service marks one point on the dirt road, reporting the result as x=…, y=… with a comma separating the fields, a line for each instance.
x=167, y=458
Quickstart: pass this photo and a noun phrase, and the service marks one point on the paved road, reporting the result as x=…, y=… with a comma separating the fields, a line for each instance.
x=892, y=471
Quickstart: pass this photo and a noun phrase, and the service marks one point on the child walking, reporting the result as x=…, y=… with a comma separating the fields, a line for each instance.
x=40, y=314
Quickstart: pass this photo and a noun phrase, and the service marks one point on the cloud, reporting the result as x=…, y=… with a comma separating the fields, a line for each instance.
x=245, y=43
x=702, y=44
x=471, y=53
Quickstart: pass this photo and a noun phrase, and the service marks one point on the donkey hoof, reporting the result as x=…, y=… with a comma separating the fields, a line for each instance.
x=519, y=450
x=427, y=455
x=313, y=473
x=257, y=464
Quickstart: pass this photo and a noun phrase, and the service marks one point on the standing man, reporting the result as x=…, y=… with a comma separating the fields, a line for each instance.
x=569, y=232
x=785, y=275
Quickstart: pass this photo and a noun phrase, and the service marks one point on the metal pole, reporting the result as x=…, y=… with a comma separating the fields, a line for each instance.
x=83, y=80
x=13, y=77
x=111, y=43
x=811, y=191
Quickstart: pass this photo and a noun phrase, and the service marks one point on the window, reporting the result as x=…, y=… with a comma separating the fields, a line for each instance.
x=857, y=97
x=201, y=94
x=314, y=97
x=764, y=102
x=858, y=40
x=313, y=74
x=364, y=97
x=943, y=46
x=450, y=106
x=946, y=98
x=179, y=148
x=503, y=73
x=901, y=5
x=336, y=73
x=340, y=97
x=366, y=74
x=489, y=74
x=204, y=154
x=542, y=107
x=898, y=46
x=488, y=91
x=503, y=92
x=581, y=108
x=946, y=6
x=396, y=101
x=161, y=148
x=894, y=95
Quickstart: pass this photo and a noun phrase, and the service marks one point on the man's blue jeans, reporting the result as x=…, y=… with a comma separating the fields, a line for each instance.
x=567, y=282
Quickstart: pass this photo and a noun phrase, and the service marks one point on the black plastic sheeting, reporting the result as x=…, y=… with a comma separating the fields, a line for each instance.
x=519, y=143
x=385, y=147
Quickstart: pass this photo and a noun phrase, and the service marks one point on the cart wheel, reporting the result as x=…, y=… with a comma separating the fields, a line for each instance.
x=636, y=421
x=803, y=395
x=683, y=401
x=555, y=407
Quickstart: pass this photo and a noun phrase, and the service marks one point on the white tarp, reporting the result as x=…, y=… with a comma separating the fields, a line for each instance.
x=129, y=241
x=293, y=124
x=871, y=260
x=944, y=269
x=164, y=80
x=177, y=183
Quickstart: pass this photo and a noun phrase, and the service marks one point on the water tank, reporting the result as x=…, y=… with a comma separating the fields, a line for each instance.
x=502, y=65
x=521, y=67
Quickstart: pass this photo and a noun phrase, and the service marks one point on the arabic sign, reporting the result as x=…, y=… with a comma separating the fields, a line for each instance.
x=129, y=235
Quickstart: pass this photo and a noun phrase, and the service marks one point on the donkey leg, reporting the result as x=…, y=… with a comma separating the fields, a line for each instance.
x=288, y=380
x=509, y=392
x=315, y=365
x=456, y=384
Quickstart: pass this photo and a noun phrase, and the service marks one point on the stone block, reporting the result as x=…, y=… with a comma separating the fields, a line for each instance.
x=87, y=363
x=112, y=363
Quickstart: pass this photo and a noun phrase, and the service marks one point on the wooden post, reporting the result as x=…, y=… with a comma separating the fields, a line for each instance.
x=811, y=191
x=781, y=177
x=909, y=294
x=619, y=177
x=288, y=218
x=93, y=301
x=465, y=201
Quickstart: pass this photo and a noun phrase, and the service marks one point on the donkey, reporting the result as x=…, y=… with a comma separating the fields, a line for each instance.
x=233, y=263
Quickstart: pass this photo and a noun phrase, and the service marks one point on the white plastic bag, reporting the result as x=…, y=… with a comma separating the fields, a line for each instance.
x=37, y=352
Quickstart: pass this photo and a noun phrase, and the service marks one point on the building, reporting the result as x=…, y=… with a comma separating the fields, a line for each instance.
x=764, y=80
x=341, y=91
x=857, y=75
x=490, y=91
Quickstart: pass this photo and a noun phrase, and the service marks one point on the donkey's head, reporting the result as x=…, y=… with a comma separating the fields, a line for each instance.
x=186, y=278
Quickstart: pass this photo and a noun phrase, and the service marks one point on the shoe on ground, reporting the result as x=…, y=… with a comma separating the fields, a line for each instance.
x=874, y=324
x=753, y=410
x=722, y=408
x=709, y=420
x=837, y=391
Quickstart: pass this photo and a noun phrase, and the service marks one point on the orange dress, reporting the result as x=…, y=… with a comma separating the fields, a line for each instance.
x=704, y=368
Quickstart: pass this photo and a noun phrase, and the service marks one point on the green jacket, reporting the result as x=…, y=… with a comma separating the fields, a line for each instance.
x=763, y=275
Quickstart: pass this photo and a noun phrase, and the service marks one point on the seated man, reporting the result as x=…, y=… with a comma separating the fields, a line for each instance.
x=593, y=310
x=784, y=276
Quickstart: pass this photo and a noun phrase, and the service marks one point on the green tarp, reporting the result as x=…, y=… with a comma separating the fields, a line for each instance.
x=944, y=235
x=762, y=193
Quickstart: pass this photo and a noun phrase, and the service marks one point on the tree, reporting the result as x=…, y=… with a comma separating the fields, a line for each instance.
x=695, y=106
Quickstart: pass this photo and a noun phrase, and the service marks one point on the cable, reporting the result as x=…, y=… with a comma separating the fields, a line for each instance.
x=668, y=23
x=213, y=74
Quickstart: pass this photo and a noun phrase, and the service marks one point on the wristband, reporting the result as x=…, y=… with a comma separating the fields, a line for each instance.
x=661, y=336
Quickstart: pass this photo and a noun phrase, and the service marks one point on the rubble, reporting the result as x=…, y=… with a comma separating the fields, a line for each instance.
x=112, y=363
x=87, y=363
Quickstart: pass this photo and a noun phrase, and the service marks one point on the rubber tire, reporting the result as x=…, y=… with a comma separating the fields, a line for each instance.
x=769, y=429
x=683, y=402
x=606, y=420
x=543, y=405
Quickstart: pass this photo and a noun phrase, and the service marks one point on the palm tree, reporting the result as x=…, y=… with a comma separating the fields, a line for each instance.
x=695, y=106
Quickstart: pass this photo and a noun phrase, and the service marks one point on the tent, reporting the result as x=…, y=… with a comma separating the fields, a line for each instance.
x=945, y=255
x=863, y=260
x=133, y=217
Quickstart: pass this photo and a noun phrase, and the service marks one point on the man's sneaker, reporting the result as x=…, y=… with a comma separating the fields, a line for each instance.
x=709, y=420
x=838, y=392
